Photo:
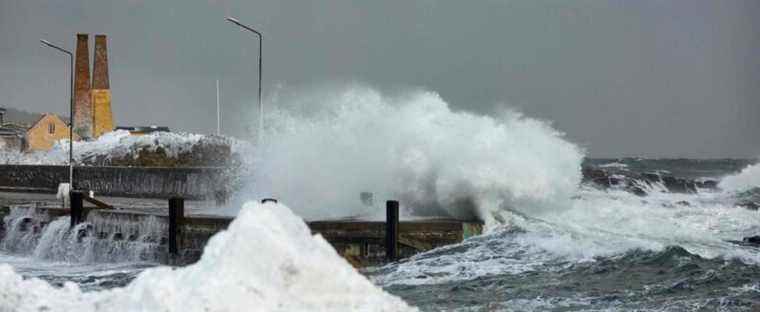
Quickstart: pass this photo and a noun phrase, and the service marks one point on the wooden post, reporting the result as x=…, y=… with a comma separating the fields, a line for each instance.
x=77, y=207
x=176, y=214
x=391, y=230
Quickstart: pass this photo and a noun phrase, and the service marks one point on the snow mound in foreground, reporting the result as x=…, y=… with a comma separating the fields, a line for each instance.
x=267, y=260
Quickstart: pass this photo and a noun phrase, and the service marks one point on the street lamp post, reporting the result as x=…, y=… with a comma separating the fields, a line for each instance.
x=71, y=110
x=261, y=39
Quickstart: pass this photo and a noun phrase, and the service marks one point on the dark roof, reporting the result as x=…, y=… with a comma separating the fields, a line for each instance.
x=144, y=129
x=11, y=131
x=20, y=117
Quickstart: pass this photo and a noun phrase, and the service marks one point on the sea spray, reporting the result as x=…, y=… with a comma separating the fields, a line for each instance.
x=747, y=179
x=323, y=148
x=267, y=260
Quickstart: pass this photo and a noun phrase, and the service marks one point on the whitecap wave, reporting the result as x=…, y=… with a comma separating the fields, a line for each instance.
x=748, y=178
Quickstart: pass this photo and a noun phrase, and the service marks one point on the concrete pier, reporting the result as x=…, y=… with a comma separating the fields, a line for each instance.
x=361, y=242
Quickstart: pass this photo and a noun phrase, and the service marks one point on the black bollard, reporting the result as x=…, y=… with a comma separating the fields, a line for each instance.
x=266, y=200
x=76, y=204
x=176, y=214
x=391, y=230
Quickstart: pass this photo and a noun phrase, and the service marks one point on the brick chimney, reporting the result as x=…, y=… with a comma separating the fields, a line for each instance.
x=102, y=116
x=82, y=97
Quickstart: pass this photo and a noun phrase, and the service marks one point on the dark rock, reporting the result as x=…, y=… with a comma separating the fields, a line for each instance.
x=684, y=203
x=708, y=184
x=651, y=177
x=592, y=173
x=638, y=191
x=752, y=239
x=603, y=182
x=678, y=185
x=749, y=205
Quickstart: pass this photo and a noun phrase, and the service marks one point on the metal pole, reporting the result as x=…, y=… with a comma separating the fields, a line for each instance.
x=218, y=111
x=71, y=110
x=261, y=104
x=71, y=124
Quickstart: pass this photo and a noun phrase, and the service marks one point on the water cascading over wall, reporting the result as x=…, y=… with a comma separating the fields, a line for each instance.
x=103, y=237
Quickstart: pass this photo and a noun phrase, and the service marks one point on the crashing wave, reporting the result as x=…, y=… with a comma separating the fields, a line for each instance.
x=323, y=148
x=745, y=180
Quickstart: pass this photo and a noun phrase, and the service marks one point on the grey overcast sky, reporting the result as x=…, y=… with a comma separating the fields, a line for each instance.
x=621, y=78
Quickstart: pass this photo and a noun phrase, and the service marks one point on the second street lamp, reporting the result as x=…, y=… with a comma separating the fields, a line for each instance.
x=261, y=105
x=71, y=109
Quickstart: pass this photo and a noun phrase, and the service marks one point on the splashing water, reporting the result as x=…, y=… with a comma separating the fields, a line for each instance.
x=746, y=179
x=324, y=148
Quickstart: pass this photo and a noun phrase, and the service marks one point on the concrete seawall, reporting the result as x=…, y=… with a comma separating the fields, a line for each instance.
x=128, y=235
x=146, y=182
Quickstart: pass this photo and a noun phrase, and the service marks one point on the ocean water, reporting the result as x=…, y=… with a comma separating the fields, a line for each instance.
x=563, y=232
x=610, y=250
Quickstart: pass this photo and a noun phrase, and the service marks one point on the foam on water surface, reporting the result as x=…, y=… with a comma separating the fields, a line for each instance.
x=266, y=261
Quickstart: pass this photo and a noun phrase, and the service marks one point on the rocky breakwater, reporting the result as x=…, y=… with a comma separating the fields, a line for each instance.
x=168, y=150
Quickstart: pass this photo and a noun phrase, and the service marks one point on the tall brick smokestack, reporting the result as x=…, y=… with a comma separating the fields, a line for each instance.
x=82, y=97
x=100, y=64
x=102, y=117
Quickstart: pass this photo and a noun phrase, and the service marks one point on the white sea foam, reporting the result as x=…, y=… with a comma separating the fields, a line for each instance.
x=748, y=178
x=323, y=148
x=595, y=224
x=266, y=261
x=614, y=165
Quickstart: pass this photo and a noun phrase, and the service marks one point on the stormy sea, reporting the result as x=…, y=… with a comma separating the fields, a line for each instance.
x=563, y=232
